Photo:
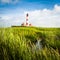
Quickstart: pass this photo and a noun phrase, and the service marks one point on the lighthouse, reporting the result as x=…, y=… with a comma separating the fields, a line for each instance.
x=26, y=23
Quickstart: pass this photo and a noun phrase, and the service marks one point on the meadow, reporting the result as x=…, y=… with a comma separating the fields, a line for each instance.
x=19, y=43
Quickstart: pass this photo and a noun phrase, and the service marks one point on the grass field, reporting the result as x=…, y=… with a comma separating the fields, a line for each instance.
x=19, y=43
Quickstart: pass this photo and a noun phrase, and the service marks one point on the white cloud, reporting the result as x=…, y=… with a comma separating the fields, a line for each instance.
x=41, y=18
x=9, y=1
x=9, y=20
x=57, y=8
x=6, y=1
x=46, y=17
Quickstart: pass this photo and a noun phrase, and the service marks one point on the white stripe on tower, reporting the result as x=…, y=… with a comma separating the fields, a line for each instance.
x=26, y=18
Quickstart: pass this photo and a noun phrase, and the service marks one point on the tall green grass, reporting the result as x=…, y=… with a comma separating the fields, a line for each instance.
x=19, y=43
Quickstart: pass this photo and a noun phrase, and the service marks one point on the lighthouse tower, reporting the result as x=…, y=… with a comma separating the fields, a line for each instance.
x=27, y=22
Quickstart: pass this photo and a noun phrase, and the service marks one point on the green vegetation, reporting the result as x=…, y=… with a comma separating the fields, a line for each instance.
x=19, y=43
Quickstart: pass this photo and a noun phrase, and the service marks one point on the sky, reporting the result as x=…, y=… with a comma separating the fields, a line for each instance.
x=42, y=13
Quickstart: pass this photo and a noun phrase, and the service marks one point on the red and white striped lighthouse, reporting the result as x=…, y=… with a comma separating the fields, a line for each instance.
x=27, y=16
x=27, y=21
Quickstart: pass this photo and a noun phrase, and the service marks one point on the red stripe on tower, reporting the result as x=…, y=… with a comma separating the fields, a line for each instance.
x=27, y=15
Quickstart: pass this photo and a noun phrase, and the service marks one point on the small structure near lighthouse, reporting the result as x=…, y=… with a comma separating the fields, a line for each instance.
x=27, y=21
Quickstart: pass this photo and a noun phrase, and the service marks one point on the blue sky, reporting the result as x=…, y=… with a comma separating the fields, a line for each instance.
x=12, y=12
x=26, y=4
